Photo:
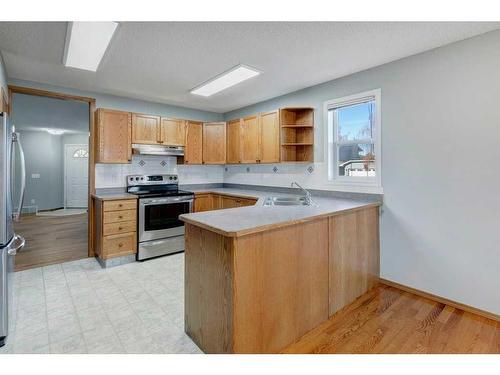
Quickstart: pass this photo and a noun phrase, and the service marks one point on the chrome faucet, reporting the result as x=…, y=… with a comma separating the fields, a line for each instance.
x=306, y=192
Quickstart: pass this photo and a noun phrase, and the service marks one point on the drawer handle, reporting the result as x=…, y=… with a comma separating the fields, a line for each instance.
x=120, y=245
x=120, y=205
x=120, y=217
x=120, y=228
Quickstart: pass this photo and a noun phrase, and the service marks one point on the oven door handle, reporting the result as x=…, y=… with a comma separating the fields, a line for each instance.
x=165, y=201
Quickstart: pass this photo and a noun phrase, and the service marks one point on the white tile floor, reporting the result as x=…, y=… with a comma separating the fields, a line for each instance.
x=78, y=307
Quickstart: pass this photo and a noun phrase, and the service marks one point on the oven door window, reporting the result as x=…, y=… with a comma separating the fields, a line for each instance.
x=164, y=216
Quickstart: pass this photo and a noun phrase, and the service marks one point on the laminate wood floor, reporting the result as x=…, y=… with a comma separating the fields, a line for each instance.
x=51, y=240
x=388, y=320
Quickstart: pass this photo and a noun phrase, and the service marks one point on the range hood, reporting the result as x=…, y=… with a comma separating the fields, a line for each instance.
x=161, y=150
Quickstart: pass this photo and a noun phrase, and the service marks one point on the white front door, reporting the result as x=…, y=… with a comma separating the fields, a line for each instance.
x=76, y=161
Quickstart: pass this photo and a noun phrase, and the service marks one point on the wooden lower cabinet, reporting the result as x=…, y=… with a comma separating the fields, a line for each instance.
x=228, y=202
x=203, y=202
x=212, y=201
x=260, y=292
x=115, y=228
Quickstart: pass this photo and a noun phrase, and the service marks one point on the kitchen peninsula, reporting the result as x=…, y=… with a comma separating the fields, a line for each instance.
x=259, y=277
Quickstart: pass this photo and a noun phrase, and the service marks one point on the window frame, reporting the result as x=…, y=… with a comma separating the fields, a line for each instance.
x=351, y=183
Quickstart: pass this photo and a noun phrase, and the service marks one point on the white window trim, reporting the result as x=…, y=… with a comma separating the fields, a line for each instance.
x=354, y=184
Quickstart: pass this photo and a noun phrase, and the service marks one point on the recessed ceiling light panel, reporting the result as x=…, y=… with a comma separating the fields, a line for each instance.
x=227, y=79
x=86, y=43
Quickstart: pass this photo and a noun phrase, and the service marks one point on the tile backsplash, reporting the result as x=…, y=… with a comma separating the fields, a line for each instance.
x=309, y=175
x=114, y=175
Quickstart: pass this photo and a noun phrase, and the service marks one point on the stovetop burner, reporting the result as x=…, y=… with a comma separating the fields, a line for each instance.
x=147, y=186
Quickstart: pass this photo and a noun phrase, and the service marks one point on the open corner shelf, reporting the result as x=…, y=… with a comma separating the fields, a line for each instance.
x=297, y=134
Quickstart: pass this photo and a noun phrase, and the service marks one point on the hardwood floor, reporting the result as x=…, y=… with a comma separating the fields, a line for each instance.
x=389, y=320
x=51, y=240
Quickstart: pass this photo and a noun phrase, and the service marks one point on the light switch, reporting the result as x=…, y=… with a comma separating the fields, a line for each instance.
x=35, y=175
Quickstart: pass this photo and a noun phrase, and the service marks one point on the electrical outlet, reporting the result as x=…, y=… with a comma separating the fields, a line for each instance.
x=35, y=175
x=33, y=201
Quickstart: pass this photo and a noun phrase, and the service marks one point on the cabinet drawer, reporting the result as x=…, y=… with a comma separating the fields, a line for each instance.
x=118, y=245
x=119, y=216
x=130, y=204
x=120, y=227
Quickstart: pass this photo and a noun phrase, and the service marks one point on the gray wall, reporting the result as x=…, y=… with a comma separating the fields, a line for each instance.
x=30, y=112
x=44, y=155
x=44, y=152
x=126, y=104
x=75, y=139
x=440, y=138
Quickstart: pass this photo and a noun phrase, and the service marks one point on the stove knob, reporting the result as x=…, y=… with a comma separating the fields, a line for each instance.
x=170, y=178
x=175, y=177
x=142, y=178
x=137, y=178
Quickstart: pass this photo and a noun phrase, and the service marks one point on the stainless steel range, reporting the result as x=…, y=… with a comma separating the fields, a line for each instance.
x=160, y=204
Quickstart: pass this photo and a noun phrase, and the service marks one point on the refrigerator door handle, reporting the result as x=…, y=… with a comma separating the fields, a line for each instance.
x=15, y=245
x=15, y=139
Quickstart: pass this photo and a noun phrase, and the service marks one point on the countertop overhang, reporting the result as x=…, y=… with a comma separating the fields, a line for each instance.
x=237, y=222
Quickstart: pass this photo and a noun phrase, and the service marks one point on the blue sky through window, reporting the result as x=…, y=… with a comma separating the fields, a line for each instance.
x=355, y=121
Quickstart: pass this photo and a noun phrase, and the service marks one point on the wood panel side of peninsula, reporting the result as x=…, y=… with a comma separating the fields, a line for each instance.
x=261, y=292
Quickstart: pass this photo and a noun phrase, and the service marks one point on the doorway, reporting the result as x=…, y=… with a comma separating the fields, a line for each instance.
x=55, y=133
x=76, y=178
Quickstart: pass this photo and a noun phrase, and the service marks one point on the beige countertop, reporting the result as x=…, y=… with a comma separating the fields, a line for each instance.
x=235, y=222
x=113, y=196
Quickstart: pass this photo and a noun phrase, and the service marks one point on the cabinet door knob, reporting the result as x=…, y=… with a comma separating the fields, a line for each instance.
x=120, y=205
x=120, y=228
x=120, y=217
x=120, y=245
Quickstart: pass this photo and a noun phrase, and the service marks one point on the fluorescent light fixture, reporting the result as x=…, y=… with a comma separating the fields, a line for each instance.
x=86, y=43
x=227, y=79
x=55, y=131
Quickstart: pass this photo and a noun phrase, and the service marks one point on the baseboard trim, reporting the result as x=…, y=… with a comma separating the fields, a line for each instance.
x=457, y=305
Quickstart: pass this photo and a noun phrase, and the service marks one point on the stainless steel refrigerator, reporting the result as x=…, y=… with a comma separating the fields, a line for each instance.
x=10, y=243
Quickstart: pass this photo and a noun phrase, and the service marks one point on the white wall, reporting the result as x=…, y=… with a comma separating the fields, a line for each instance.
x=440, y=134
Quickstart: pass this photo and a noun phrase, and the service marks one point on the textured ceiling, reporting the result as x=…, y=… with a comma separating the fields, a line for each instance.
x=162, y=61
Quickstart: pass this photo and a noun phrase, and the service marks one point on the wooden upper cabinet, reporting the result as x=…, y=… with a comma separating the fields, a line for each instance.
x=214, y=143
x=113, y=136
x=233, y=135
x=250, y=139
x=146, y=129
x=173, y=132
x=193, y=153
x=269, y=137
